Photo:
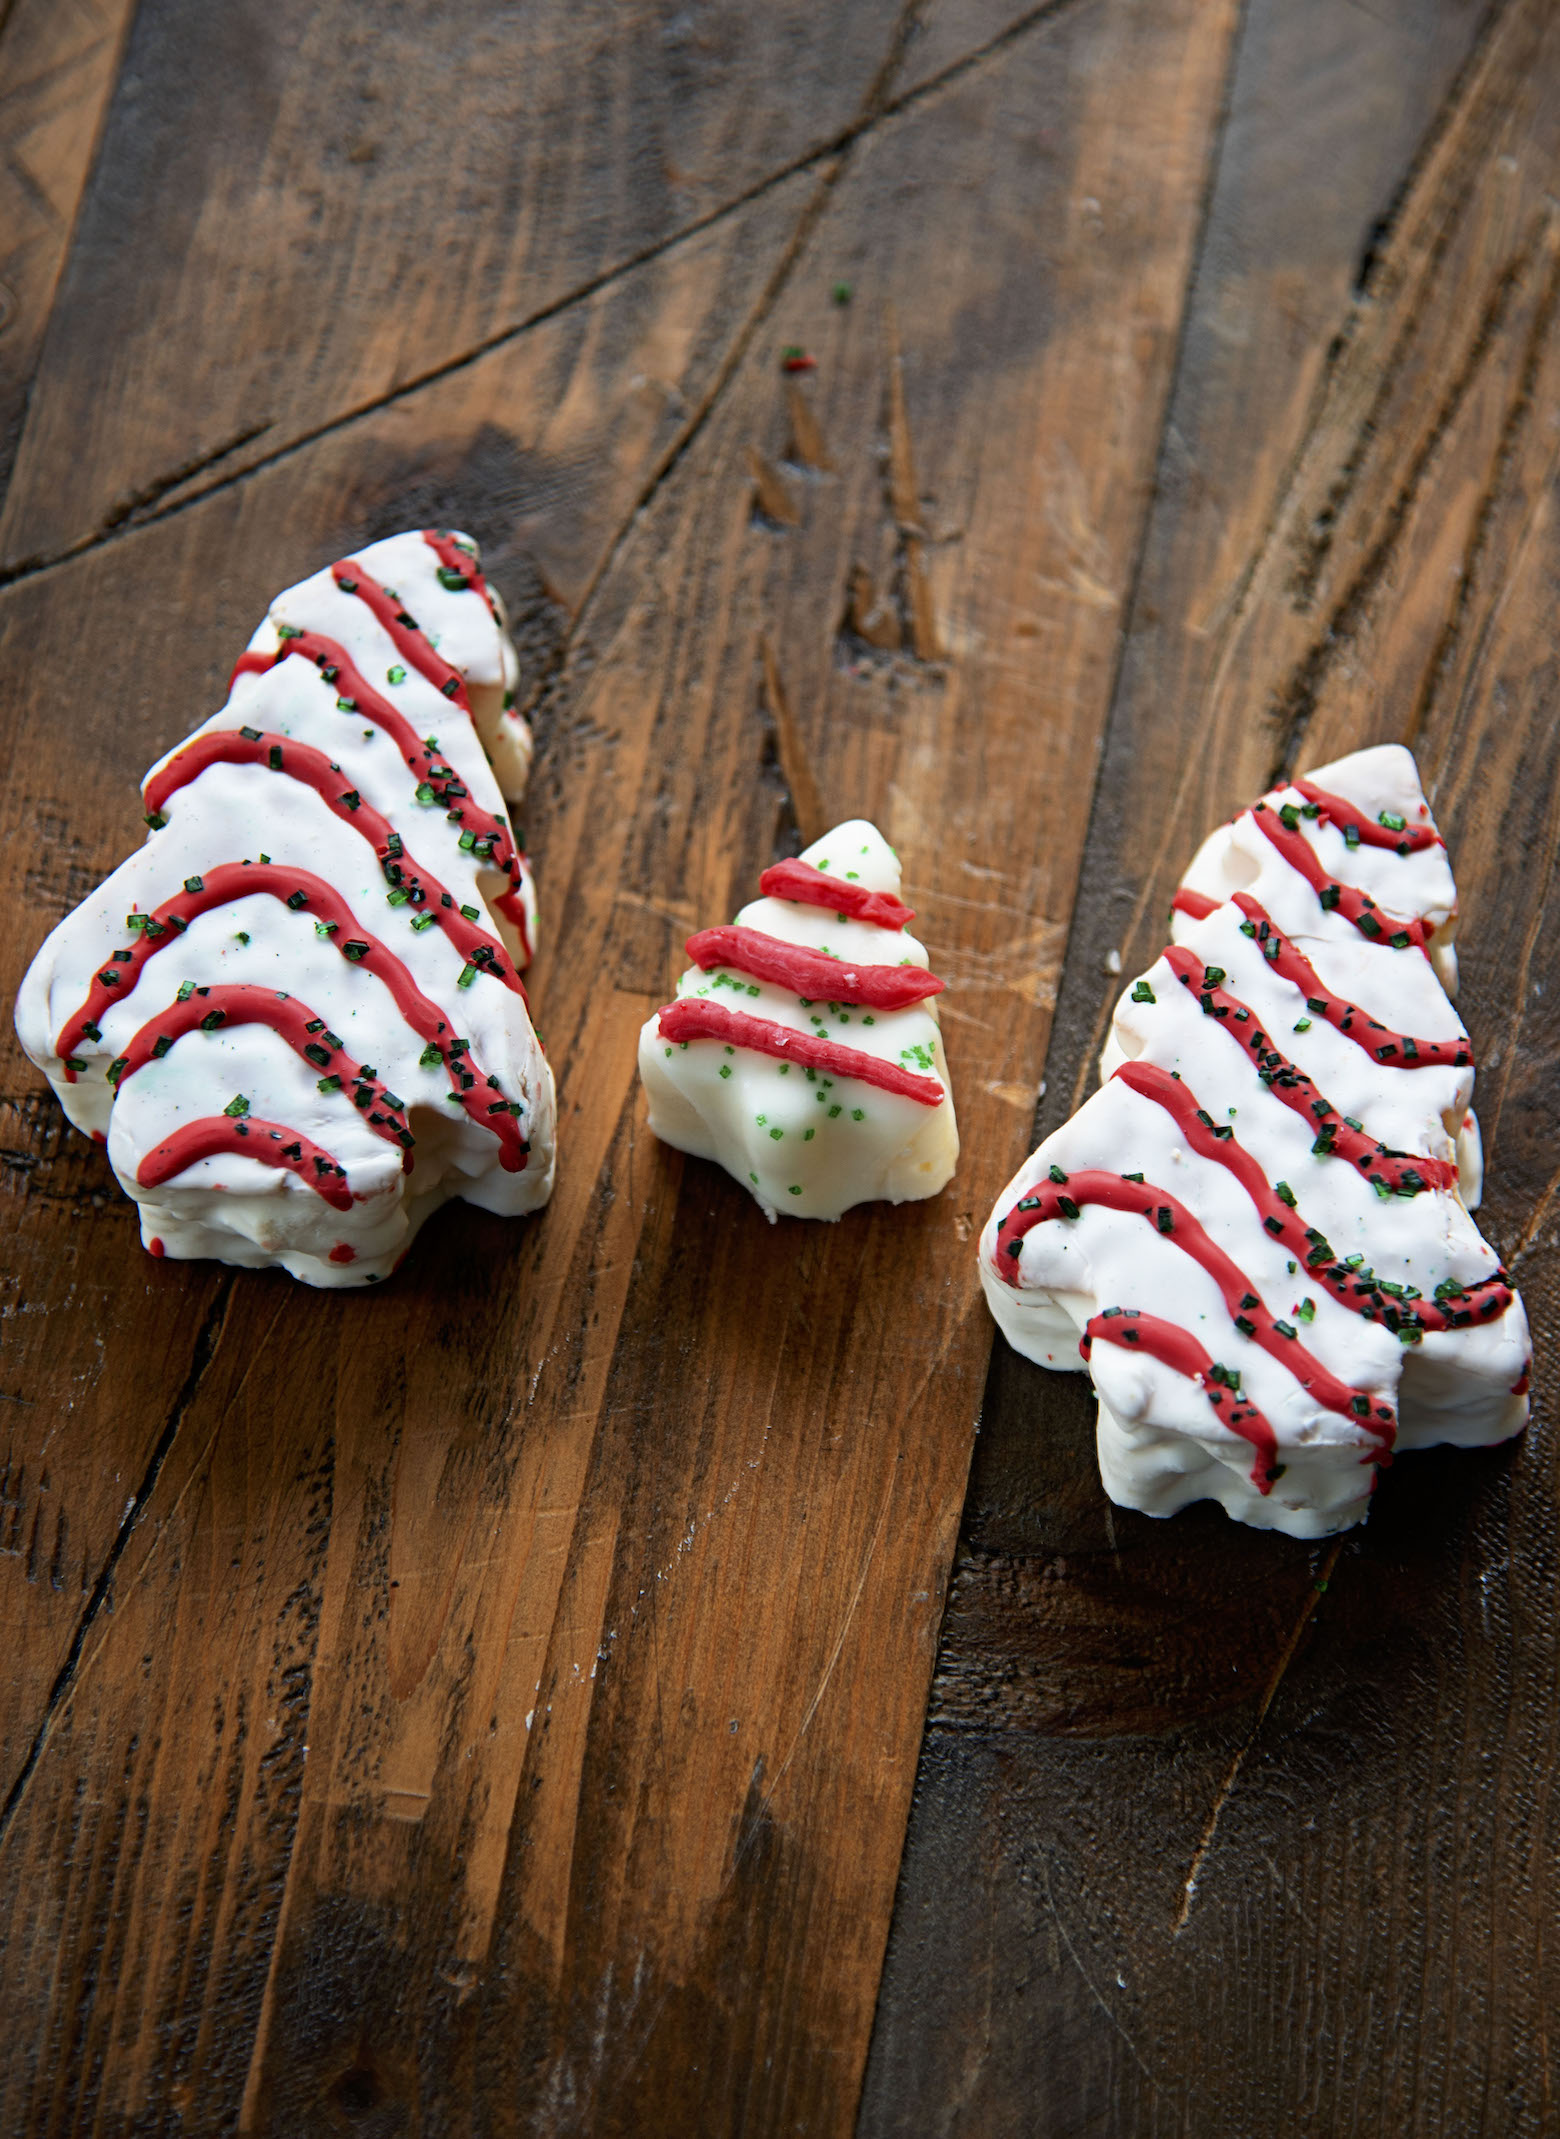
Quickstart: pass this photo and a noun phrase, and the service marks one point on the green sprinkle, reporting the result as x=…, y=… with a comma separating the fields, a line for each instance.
x=470, y=913
x=1306, y=1311
x=186, y=990
x=725, y=1068
x=327, y=929
x=793, y=1190
x=194, y=883
x=833, y=1111
x=1058, y=1177
x=808, y=1135
x=425, y=794
x=1142, y=992
x=422, y=921
x=856, y=1114
x=1284, y=1193
x=467, y=975
x=237, y=1106
x=775, y=1135
x=1302, y=1025
x=329, y=1084
x=842, y=293
x=396, y=674
x=1392, y=821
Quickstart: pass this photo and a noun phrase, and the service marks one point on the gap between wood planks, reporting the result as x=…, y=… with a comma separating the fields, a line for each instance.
x=1241, y=595
x=876, y=107
x=1537, y=252
x=207, y=1339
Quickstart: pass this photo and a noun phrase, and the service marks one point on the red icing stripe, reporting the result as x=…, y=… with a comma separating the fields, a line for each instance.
x=693, y=1019
x=810, y=973
x=1358, y=1290
x=1372, y=921
x=119, y=973
x=1371, y=832
x=1292, y=1088
x=251, y=1138
x=410, y=640
x=311, y=768
x=815, y=887
x=294, y=1022
x=1398, y=1050
x=490, y=831
x=1093, y=1186
x=455, y=559
x=1196, y=903
x=1176, y=1348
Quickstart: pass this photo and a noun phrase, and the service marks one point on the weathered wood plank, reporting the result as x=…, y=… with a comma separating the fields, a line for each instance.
x=58, y=60
x=1314, y=1887
x=513, y=1687
x=343, y=212
x=542, y=450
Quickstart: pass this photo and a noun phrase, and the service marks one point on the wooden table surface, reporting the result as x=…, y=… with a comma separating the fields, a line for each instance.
x=557, y=1694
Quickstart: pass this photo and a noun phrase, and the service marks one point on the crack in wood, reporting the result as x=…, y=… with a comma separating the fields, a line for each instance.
x=207, y=1339
x=919, y=623
x=135, y=504
x=1226, y=1789
x=1519, y=410
x=795, y=766
x=1295, y=703
x=816, y=158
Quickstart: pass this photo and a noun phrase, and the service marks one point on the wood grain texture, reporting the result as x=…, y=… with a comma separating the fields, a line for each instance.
x=506, y=1714
x=344, y=208
x=1299, y=1873
x=58, y=62
x=545, y=493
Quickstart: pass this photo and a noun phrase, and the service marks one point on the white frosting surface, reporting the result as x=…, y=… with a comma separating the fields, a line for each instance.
x=231, y=1205
x=807, y=1142
x=1162, y=1440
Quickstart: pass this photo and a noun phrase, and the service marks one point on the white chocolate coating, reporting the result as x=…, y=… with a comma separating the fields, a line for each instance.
x=228, y=1204
x=805, y=1142
x=1162, y=1443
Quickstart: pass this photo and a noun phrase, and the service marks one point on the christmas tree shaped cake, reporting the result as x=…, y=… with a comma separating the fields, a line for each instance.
x=803, y=1052
x=1257, y=1234
x=296, y=1015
